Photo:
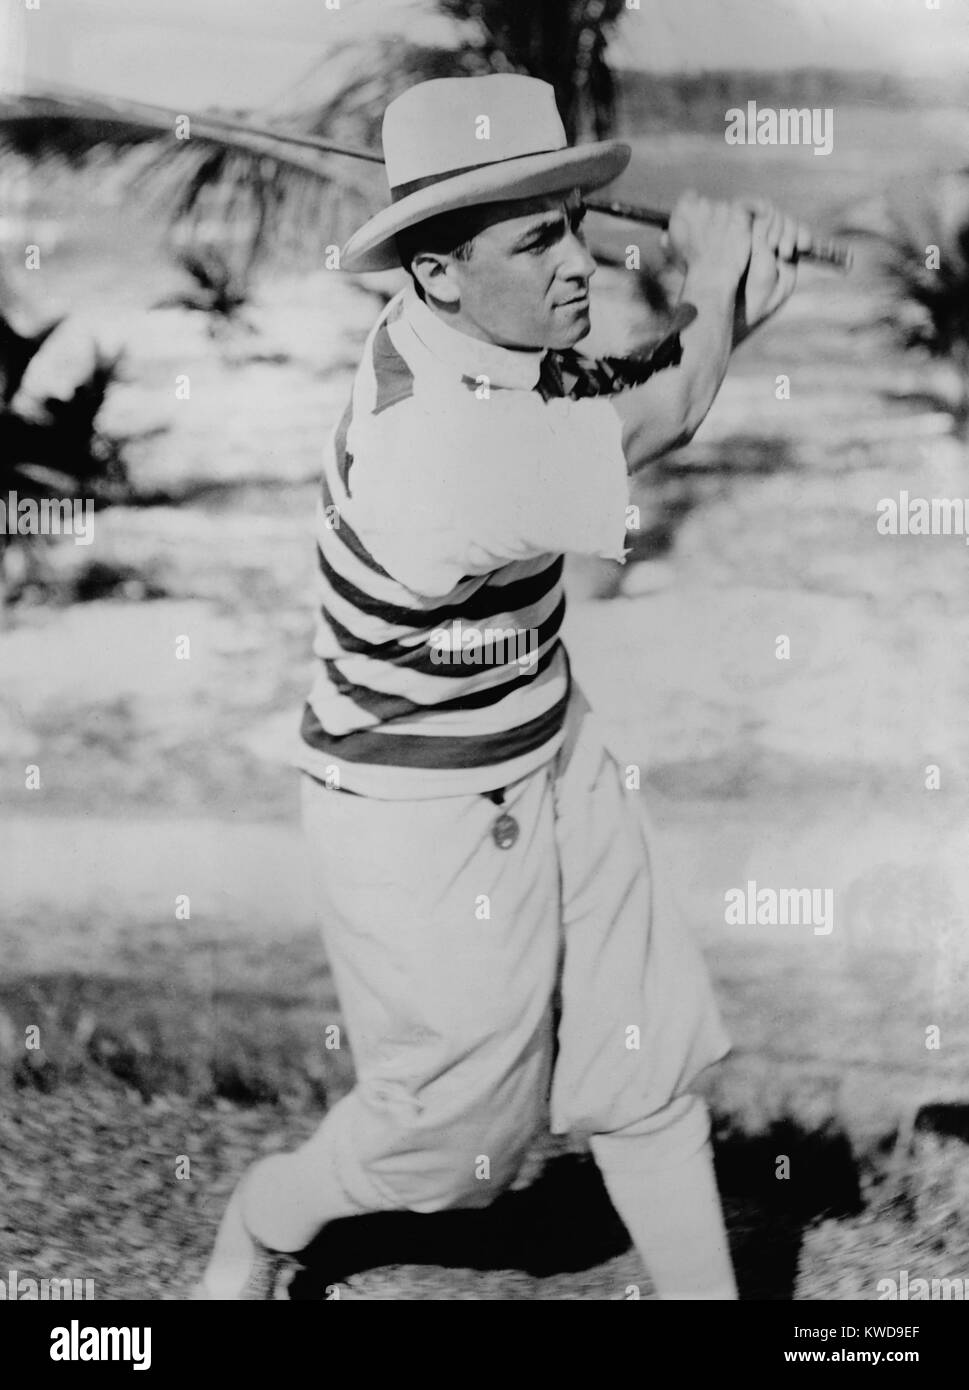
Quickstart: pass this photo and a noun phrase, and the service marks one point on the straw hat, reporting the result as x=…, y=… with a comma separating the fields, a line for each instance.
x=456, y=142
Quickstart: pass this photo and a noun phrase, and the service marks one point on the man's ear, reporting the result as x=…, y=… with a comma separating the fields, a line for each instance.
x=432, y=270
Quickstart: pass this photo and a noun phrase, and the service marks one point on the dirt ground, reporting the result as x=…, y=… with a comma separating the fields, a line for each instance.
x=164, y=1039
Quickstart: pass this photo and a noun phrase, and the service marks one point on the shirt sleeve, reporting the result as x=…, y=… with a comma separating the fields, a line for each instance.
x=469, y=487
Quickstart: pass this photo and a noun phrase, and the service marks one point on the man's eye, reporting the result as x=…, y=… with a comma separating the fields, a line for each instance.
x=554, y=234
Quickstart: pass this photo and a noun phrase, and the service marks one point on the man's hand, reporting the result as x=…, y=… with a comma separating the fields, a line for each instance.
x=711, y=239
x=749, y=245
x=776, y=240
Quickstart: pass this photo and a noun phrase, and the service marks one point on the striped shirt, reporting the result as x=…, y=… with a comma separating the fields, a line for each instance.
x=459, y=475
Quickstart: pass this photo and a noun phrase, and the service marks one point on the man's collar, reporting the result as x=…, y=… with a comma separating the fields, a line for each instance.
x=471, y=356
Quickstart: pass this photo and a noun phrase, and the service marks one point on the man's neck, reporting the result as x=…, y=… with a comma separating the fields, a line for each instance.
x=470, y=353
x=458, y=320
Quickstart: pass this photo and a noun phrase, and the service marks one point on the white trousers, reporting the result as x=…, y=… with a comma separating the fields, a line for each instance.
x=449, y=952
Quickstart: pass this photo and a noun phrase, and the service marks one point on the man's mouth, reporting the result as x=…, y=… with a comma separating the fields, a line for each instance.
x=579, y=300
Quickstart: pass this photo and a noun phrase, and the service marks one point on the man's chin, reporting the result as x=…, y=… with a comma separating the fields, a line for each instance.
x=574, y=334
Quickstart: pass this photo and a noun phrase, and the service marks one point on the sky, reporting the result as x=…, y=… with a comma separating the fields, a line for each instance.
x=245, y=53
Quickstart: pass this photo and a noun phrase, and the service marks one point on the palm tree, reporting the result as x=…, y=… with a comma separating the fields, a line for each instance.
x=218, y=293
x=922, y=243
x=56, y=447
x=271, y=189
x=562, y=43
x=61, y=436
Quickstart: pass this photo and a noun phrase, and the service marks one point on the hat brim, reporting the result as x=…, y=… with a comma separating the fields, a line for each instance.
x=529, y=176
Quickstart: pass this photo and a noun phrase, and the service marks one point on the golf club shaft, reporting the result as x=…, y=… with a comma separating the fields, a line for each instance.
x=833, y=253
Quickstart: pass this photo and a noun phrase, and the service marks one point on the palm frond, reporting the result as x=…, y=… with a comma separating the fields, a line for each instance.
x=921, y=238
x=72, y=124
x=62, y=441
x=74, y=417
x=250, y=185
x=219, y=292
x=17, y=351
x=209, y=270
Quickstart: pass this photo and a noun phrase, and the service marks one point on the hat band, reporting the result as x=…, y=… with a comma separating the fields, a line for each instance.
x=404, y=190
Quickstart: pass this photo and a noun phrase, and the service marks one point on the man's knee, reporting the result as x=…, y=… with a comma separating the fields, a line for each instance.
x=414, y=1161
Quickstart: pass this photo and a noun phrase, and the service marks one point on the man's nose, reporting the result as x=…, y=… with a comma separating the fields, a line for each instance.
x=577, y=263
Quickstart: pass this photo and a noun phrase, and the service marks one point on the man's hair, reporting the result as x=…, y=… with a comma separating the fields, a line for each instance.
x=450, y=233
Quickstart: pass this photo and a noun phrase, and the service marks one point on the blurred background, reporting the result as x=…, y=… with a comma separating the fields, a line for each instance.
x=176, y=349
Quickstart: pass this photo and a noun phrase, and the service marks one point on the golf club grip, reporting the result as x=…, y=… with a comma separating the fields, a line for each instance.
x=833, y=253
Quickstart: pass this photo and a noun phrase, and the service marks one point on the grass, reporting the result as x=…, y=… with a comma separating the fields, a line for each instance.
x=183, y=1051
x=163, y=1061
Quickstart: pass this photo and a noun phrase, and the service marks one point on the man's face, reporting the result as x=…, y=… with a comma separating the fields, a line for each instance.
x=526, y=284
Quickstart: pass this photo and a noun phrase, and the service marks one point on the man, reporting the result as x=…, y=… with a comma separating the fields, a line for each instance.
x=478, y=860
